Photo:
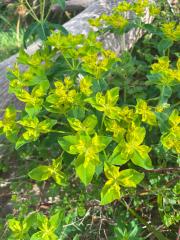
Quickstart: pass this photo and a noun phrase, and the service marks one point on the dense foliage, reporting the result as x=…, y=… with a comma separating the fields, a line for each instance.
x=113, y=120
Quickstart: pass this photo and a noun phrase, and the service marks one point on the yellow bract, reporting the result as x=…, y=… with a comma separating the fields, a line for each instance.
x=168, y=75
x=171, y=31
x=123, y=7
x=85, y=86
x=62, y=97
x=153, y=9
x=8, y=124
x=140, y=6
x=171, y=139
x=65, y=43
x=96, y=64
x=115, y=20
x=145, y=111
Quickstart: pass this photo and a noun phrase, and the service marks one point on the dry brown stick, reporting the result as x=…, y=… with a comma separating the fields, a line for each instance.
x=163, y=170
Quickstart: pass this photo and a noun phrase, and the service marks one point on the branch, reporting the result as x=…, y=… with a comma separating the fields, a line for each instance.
x=163, y=170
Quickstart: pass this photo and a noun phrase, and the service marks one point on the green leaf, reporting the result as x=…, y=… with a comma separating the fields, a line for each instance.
x=40, y=173
x=44, y=235
x=141, y=158
x=90, y=123
x=55, y=220
x=77, y=112
x=85, y=169
x=130, y=178
x=152, y=29
x=30, y=220
x=118, y=156
x=85, y=173
x=10, y=114
x=46, y=125
x=162, y=121
x=147, y=115
x=87, y=125
x=59, y=178
x=99, y=143
x=42, y=220
x=110, y=192
x=163, y=45
x=114, y=127
x=29, y=32
x=154, y=79
x=176, y=188
x=94, y=103
x=111, y=189
x=37, y=236
x=23, y=57
x=99, y=86
x=112, y=96
x=166, y=92
x=174, y=118
x=33, y=110
x=66, y=143
x=14, y=225
x=75, y=124
x=111, y=172
x=136, y=135
x=20, y=142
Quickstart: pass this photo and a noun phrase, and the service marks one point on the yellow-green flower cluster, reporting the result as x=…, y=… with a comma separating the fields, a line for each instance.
x=171, y=139
x=85, y=86
x=115, y=20
x=123, y=6
x=90, y=45
x=66, y=44
x=139, y=7
x=61, y=97
x=162, y=107
x=168, y=75
x=8, y=124
x=33, y=127
x=96, y=65
x=153, y=9
x=145, y=111
x=171, y=31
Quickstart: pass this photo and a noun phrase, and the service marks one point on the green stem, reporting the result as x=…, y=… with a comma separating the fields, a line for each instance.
x=125, y=90
x=42, y=23
x=57, y=131
x=33, y=14
x=153, y=99
x=102, y=122
x=43, y=10
x=176, y=104
x=49, y=11
x=105, y=155
x=68, y=63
